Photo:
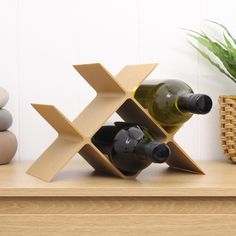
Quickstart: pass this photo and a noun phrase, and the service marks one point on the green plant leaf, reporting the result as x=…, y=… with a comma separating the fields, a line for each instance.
x=214, y=47
x=225, y=56
x=226, y=30
x=224, y=51
x=193, y=31
x=206, y=56
x=216, y=40
x=221, y=52
x=230, y=47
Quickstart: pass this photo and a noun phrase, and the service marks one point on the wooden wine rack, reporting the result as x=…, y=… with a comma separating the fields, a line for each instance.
x=114, y=94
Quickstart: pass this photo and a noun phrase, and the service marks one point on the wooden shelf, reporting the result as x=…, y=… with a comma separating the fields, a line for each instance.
x=160, y=201
x=79, y=179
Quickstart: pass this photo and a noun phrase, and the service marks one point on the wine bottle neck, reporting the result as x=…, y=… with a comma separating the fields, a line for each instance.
x=194, y=103
x=132, y=141
x=156, y=152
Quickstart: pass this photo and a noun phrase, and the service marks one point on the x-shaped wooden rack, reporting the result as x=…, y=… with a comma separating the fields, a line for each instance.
x=114, y=94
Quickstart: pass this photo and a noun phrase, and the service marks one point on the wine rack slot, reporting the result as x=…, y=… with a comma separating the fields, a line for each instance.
x=131, y=111
x=114, y=94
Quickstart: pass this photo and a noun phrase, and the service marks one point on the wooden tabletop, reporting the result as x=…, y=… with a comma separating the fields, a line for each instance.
x=79, y=179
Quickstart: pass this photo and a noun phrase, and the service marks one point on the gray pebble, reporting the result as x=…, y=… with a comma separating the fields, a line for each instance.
x=5, y=120
x=8, y=146
x=4, y=97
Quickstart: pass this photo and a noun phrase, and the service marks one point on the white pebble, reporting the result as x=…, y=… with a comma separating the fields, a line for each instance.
x=4, y=97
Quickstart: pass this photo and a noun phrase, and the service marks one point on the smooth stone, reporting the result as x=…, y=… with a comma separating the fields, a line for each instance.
x=4, y=97
x=8, y=147
x=5, y=120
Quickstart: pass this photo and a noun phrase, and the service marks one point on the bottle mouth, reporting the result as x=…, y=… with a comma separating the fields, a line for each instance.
x=203, y=104
x=195, y=103
x=161, y=153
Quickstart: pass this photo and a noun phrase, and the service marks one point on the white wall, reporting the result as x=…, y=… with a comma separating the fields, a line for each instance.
x=41, y=40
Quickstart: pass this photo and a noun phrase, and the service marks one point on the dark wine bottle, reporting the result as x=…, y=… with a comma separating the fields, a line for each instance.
x=172, y=102
x=130, y=147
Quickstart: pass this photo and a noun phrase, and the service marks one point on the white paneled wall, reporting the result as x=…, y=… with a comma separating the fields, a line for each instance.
x=41, y=40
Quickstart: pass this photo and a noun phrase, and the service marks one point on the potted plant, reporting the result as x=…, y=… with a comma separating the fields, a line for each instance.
x=225, y=51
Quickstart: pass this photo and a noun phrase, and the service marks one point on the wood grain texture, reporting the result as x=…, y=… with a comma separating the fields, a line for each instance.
x=160, y=201
x=79, y=179
x=119, y=205
x=132, y=75
x=69, y=225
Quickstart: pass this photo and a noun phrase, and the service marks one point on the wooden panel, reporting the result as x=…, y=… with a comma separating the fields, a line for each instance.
x=54, y=158
x=57, y=120
x=153, y=224
x=121, y=205
x=181, y=160
x=132, y=75
x=57, y=155
x=98, y=160
x=97, y=113
x=99, y=78
x=79, y=179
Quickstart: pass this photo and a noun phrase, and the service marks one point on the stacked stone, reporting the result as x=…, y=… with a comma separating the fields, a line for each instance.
x=8, y=142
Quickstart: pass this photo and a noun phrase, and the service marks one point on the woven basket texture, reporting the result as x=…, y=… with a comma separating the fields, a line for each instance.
x=228, y=125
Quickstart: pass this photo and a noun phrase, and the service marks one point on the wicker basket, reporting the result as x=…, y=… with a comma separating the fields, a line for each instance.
x=228, y=125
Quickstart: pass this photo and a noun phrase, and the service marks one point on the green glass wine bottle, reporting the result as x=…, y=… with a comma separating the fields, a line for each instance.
x=172, y=102
x=130, y=147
